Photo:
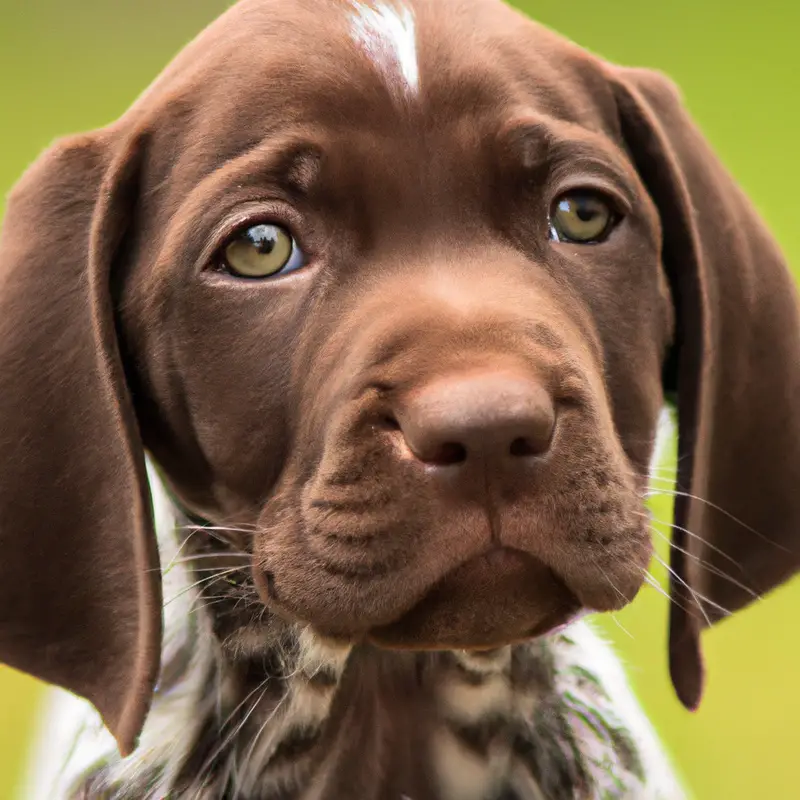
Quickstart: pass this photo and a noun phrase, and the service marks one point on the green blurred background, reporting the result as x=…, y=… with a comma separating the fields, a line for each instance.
x=72, y=65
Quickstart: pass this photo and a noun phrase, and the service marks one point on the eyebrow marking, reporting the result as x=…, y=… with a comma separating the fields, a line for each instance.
x=387, y=32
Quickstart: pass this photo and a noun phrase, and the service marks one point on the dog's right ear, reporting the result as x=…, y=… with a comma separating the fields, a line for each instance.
x=80, y=590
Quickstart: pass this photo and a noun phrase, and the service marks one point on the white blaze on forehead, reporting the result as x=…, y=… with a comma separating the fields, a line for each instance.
x=387, y=32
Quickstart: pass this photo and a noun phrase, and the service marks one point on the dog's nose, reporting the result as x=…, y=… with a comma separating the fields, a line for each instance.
x=484, y=416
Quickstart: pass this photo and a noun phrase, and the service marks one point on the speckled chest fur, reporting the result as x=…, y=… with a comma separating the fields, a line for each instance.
x=293, y=717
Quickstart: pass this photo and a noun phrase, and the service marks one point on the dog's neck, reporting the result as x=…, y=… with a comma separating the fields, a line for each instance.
x=318, y=721
x=526, y=722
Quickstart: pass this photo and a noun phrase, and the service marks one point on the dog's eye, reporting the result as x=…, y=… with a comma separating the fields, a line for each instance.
x=581, y=218
x=262, y=251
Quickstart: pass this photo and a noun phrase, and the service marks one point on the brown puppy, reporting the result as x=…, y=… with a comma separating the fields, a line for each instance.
x=399, y=287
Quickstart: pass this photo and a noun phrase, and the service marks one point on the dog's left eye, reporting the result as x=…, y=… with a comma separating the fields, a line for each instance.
x=262, y=251
x=582, y=218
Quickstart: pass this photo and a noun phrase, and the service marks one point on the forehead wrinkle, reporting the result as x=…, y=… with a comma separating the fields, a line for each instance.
x=528, y=139
x=594, y=155
x=563, y=147
x=387, y=32
x=290, y=160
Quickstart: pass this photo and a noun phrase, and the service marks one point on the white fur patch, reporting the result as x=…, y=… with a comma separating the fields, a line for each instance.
x=591, y=651
x=665, y=432
x=462, y=775
x=316, y=654
x=484, y=664
x=464, y=702
x=387, y=32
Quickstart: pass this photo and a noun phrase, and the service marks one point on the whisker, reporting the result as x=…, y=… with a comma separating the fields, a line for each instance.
x=178, y=559
x=696, y=536
x=200, y=583
x=227, y=721
x=668, y=479
x=251, y=750
x=214, y=569
x=695, y=594
x=611, y=583
x=691, y=610
x=197, y=608
x=218, y=528
x=227, y=554
x=214, y=533
x=677, y=493
x=654, y=584
x=175, y=558
x=209, y=762
x=707, y=565
x=621, y=626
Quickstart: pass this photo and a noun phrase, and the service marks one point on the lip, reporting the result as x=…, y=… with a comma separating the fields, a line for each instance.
x=497, y=598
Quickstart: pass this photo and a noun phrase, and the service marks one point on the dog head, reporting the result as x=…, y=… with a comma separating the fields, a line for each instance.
x=401, y=287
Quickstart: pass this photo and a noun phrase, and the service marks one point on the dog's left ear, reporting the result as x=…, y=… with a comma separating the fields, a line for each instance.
x=735, y=367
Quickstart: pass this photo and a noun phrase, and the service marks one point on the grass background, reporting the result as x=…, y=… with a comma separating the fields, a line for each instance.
x=69, y=66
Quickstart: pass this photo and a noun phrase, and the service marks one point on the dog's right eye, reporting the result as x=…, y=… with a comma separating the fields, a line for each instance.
x=582, y=217
x=261, y=251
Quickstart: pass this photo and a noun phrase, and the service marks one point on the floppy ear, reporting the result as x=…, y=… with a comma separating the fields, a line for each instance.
x=80, y=592
x=736, y=370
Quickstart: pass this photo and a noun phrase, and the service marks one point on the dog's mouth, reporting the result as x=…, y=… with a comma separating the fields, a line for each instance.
x=452, y=581
x=498, y=598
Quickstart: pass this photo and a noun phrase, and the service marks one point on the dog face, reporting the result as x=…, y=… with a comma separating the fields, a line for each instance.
x=417, y=420
x=399, y=287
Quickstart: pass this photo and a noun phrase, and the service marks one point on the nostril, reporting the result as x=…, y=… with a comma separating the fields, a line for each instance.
x=522, y=446
x=447, y=454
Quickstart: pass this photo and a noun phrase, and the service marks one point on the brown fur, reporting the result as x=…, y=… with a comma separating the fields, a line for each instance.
x=299, y=405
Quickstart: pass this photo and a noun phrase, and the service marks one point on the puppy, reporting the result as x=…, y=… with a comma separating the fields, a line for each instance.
x=393, y=295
